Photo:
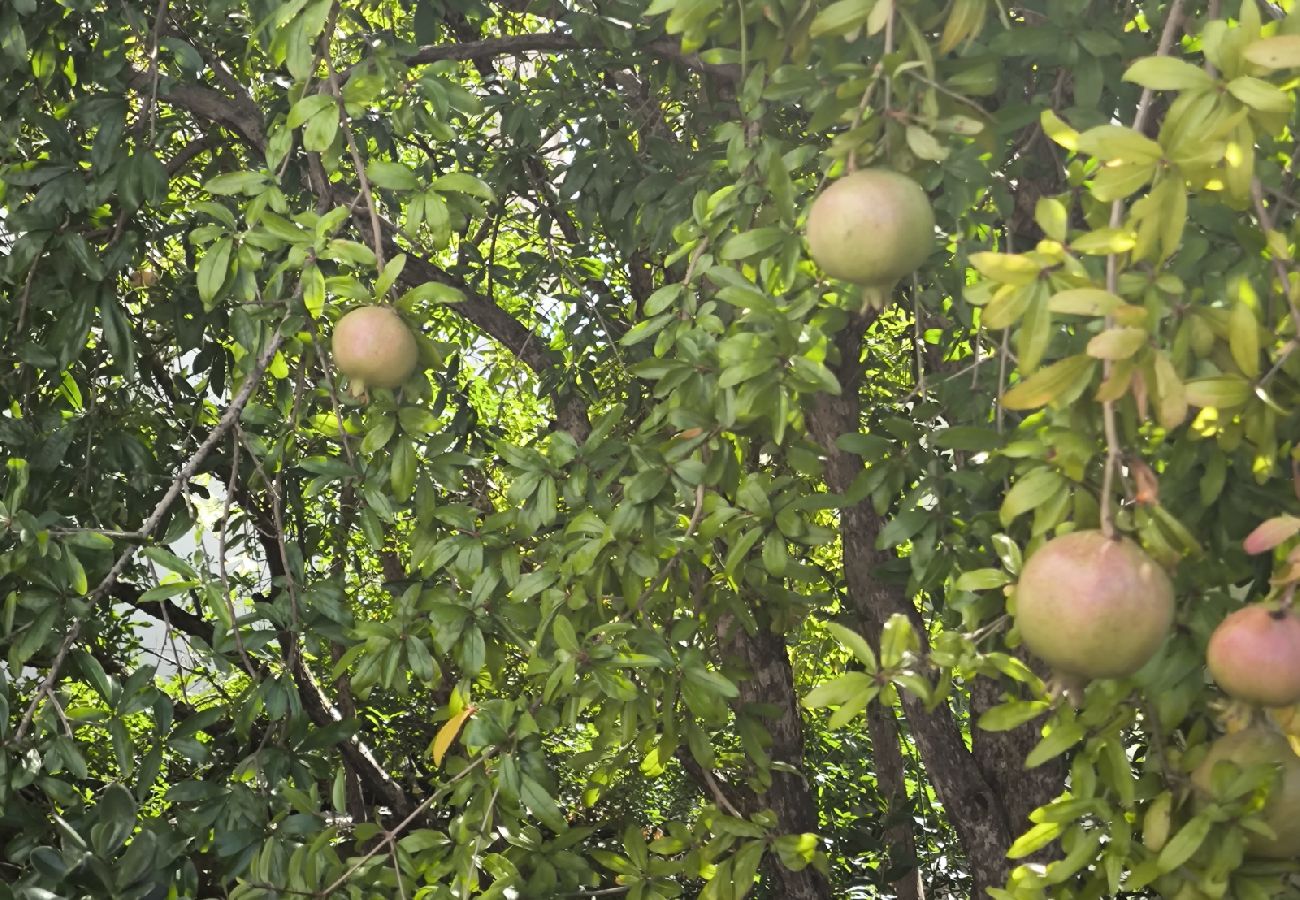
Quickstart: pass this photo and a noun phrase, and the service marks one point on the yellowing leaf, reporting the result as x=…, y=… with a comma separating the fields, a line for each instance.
x=1117, y=142
x=1279, y=52
x=1164, y=73
x=1117, y=343
x=442, y=741
x=1053, y=217
x=1104, y=241
x=1084, y=302
x=1057, y=129
x=1005, y=267
x=1243, y=339
x=1051, y=383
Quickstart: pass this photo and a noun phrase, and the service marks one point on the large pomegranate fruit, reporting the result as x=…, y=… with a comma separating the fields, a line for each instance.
x=1253, y=746
x=1254, y=655
x=373, y=345
x=871, y=227
x=1093, y=606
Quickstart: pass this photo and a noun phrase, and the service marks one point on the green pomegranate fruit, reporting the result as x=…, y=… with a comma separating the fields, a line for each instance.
x=1254, y=655
x=372, y=345
x=871, y=227
x=1092, y=606
x=1253, y=746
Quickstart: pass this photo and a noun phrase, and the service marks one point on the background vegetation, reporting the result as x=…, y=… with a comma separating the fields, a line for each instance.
x=542, y=623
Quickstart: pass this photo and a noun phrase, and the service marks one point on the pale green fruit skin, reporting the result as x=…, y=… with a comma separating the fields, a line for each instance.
x=1255, y=746
x=871, y=227
x=1093, y=607
x=1254, y=656
x=372, y=344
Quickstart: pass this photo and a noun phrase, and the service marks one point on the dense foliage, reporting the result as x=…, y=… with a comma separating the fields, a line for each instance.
x=677, y=568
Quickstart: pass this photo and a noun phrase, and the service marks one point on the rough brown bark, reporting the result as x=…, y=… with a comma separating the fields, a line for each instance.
x=973, y=801
x=770, y=683
x=1001, y=756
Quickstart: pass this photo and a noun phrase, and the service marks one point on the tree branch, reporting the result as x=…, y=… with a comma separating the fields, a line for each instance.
x=526, y=43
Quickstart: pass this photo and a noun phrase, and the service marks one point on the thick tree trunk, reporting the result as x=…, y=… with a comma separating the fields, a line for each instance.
x=1001, y=756
x=977, y=804
x=770, y=683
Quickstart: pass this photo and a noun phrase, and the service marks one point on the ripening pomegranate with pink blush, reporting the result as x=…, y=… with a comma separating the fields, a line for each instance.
x=1254, y=656
x=372, y=345
x=1092, y=606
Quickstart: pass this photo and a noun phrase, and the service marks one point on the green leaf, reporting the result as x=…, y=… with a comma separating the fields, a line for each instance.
x=1029, y=493
x=236, y=183
x=752, y=243
x=903, y=526
x=855, y=643
x=839, y=691
x=1165, y=73
x=1013, y=714
x=840, y=17
x=646, y=485
x=981, y=580
x=1084, y=302
x=1183, y=845
x=1034, y=839
x=541, y=804
x=711, y=682
x=1218, y=391
x=320, y=131
x=391, y=176
x=213, y=269
x=924, y=144
x=308, y=108
x=1064, y=379
x=1259, y=94
x=462, y=183
x=1062, y=737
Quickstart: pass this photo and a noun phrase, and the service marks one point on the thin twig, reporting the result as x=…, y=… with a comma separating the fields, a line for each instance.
x=358, y=163
x=718, y=795
x=221, y=559
x=155, y=518
x=1114, y=452
x=675, y=560
x=391, y=834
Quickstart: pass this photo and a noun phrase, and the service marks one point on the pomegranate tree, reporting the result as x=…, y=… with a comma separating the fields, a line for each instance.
x=1254, y=655
x=373, y=347
x=1092, y=606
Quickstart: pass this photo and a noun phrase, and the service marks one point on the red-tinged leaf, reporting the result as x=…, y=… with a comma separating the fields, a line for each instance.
x=1271, y=533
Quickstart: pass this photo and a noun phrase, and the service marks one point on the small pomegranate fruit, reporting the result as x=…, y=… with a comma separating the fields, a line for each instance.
x=871, y=227
x=1092, y=606
x=1254, y=655
x=372, y=345
x=1253, y=746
